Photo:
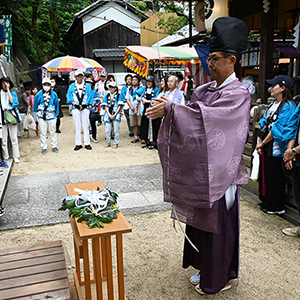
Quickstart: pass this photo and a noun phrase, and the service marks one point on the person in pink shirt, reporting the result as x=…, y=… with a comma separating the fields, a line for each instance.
x=34, y=90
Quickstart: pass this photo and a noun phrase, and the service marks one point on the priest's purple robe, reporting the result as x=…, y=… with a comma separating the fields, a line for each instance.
x=201, y=151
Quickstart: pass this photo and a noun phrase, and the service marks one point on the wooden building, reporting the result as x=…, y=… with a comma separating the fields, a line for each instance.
x=103, y=30
x=273, y=21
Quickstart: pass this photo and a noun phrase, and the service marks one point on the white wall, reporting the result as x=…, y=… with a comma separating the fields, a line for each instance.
x=110, y=11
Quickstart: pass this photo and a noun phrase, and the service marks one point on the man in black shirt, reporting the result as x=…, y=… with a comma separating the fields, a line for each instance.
x=23, y=109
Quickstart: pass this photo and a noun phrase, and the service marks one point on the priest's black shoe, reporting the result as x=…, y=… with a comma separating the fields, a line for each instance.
x=88, y=147
x=78, y=147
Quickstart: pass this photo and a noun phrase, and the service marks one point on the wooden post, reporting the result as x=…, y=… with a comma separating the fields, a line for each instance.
x=266, y=51
x=190, y=24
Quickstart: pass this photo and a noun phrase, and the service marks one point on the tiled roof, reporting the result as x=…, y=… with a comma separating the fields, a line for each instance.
x=109, y=52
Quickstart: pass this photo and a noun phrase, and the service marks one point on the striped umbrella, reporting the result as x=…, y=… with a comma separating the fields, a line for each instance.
x=93, y=63
x=70, y=63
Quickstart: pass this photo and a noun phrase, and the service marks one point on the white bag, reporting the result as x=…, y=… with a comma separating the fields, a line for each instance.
x=255, y=166
x=29, y=122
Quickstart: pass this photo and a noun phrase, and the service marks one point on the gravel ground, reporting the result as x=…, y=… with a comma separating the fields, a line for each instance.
x=269, y=260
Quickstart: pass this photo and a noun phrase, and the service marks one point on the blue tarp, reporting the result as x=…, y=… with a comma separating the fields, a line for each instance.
x=203, y=53
x=2, y=40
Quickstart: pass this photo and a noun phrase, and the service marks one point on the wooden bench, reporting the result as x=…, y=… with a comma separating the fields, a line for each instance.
x=34, y=272
x=101, y=253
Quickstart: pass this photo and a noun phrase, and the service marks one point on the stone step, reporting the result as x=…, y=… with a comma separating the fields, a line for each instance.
x=4, y=180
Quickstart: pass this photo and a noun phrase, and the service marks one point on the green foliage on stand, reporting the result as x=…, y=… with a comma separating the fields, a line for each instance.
x=87, y=210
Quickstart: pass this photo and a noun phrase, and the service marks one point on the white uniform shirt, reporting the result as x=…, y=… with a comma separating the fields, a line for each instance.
x=79, y=88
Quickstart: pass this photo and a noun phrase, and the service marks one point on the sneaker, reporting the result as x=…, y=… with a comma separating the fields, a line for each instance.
x=131, y=134
x=58, y=131
x=195, y=279
x=295, y=231
x=225, y=288
x=99, y=123
x=272, y=212
x=55, y=150
x=88, y=147
x=135, y=140
x=3, y=164
x=94, y=140
x=16, y=160
x=2, y=211
x=44, y=151
x=77, y=147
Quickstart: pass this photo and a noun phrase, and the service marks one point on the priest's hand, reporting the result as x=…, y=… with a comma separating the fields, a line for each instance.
x=157, y=110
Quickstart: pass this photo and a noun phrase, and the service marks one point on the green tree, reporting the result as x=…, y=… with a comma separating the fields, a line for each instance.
x=173, y=23
x=40, y=26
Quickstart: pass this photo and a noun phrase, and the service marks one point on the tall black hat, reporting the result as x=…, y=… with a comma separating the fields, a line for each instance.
x=228, y=35
x=8, y=80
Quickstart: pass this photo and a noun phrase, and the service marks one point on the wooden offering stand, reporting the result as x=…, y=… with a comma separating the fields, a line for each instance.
x=101, y=255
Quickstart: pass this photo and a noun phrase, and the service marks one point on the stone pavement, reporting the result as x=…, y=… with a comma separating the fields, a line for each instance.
x=34, y=200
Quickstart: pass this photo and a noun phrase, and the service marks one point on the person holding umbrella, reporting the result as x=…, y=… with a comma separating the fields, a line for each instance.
x=79, y=95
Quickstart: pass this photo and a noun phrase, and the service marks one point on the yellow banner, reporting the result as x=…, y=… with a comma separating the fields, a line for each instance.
x=136, y=63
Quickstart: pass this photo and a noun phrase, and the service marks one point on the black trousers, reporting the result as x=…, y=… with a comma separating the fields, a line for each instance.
x=94, y=129
x=155, y=128
x=218, y=256
x=275, y=183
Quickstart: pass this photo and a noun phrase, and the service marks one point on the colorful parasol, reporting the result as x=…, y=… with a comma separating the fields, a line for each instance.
x=93, y=63
x=70, y=63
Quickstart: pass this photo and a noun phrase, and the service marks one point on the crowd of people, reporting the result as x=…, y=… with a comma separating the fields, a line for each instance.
x=91, y=103
x=103, y=102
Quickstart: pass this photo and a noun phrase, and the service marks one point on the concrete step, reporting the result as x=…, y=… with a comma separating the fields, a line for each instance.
x=4, y=180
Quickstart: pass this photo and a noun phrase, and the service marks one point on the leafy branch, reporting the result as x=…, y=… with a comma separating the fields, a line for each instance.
x=95, y=208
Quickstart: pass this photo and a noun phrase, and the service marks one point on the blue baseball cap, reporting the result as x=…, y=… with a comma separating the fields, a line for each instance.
x=150, y=78
x=281, y=79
